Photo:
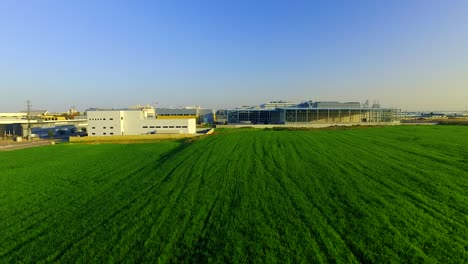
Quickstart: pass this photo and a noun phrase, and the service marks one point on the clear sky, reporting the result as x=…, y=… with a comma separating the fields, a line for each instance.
x=407, y=54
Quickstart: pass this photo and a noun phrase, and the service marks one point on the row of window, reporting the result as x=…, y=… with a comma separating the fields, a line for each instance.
x=165, y=127
x=111, y=118
x=177, y=114
x=103, y=133
x=149, y=127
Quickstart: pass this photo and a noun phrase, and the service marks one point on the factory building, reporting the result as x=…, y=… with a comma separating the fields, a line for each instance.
x=41, y=122
x=141, y=120
x=313, y=113
x=203, y=116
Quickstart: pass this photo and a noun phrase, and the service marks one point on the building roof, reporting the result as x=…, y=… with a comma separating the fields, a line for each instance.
x=175, y=111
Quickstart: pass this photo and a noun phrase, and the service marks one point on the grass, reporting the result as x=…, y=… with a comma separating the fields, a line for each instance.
x=387, y=194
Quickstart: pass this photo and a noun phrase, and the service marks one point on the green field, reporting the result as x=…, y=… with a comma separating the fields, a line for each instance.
x=391, y=194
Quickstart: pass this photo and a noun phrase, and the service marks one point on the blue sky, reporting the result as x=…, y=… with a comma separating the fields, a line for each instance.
x=406, y=54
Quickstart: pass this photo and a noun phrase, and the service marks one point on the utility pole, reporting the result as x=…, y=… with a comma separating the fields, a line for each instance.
x=29, y=119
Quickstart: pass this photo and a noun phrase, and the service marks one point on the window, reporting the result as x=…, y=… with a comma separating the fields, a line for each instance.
x=104, y=133
x=94, y=133
x=184, y=126
x=121, y=118
x=171, y=127
x=164, y=126
x=151, y=126
x=145, y=126
x=93, y=128
x=112, y=133
x=111, y=127
x=103, y=127
x=111, y=118
x=158, y=126
x=103, y=119
x=177, y=126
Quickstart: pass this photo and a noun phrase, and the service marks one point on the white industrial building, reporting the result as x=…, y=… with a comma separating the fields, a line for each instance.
x=138, y=121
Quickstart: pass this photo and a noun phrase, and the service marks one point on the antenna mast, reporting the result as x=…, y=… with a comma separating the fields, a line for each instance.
x=29, y=119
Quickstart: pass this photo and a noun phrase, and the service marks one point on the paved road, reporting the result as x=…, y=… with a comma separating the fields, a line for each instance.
x=11, y=145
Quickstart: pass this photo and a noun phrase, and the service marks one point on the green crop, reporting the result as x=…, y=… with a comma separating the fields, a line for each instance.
x=387, y=194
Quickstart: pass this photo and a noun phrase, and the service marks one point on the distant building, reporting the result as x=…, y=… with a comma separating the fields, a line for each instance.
x=13, y=115
x=331, y=104
x=136, y=121
x=306, y=104
x=221, y=117
x=16, y=124
x=176, y=113
x=278, y=104
x=327, y=112
x=202, y=115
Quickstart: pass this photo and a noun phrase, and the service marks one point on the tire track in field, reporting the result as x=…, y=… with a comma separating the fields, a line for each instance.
x=404, y=185
x=363, y=202
x=169, y=206
x=383, y=158
x=432, y=214
x=90, y=204
x=125, y=208
x=202, y=249
x=312, y=199
x=208, y=165
x=54, y=213
x=165, y=216
x=356, y=251
x=40, y=211
x=318, y=229
x=145, y=200
x=400, y=184
x=48, y=230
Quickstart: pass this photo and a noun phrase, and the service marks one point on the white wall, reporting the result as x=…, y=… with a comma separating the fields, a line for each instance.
x=103, y=122
x=134, y=122
x=171, y=126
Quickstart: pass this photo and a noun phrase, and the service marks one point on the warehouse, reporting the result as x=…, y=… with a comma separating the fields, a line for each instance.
x=255, y=116
x=138, y=121
x=313, y=113
x=339, y=115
